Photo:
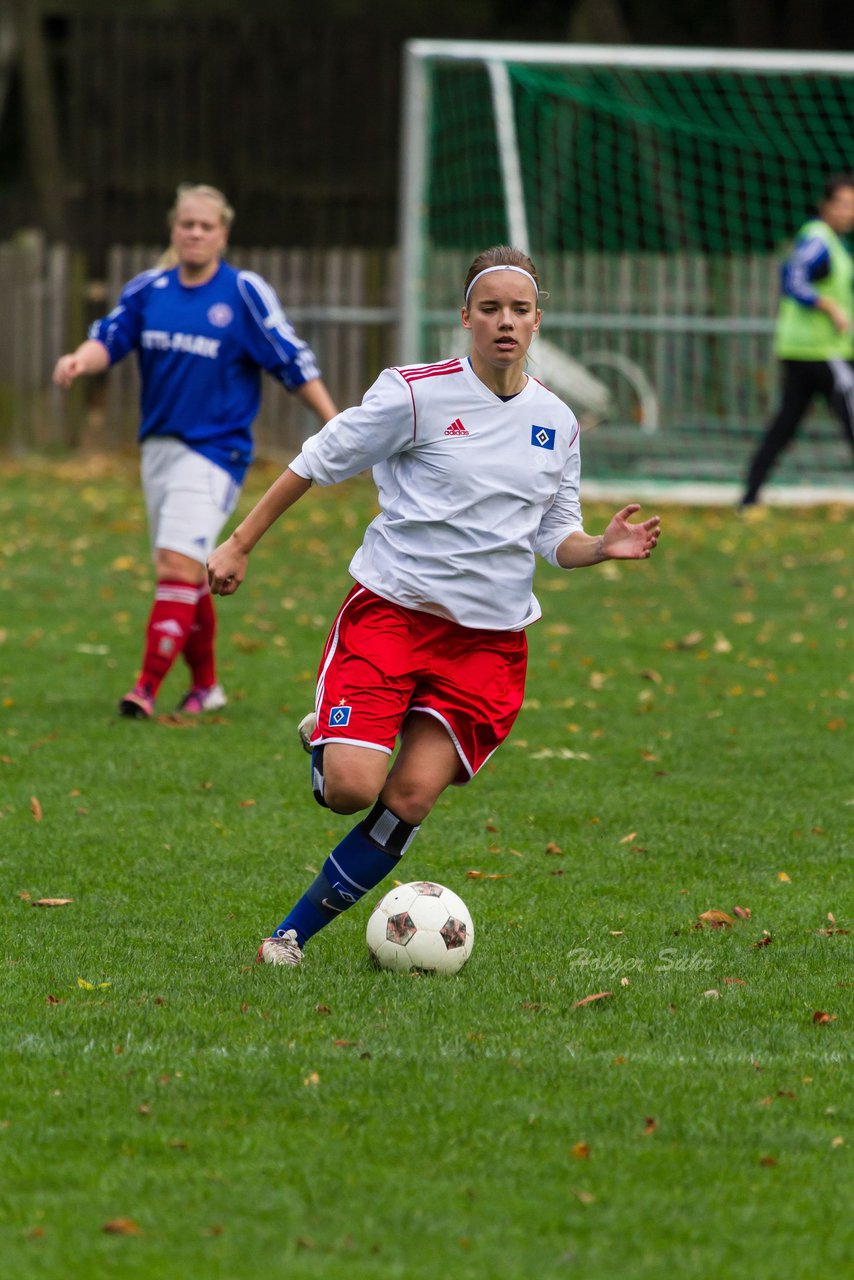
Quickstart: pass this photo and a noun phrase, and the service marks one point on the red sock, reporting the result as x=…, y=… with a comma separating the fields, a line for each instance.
x=168, y=628
x=199, y=649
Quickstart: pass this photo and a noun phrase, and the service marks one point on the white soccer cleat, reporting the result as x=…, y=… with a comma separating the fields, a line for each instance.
x=305, y=729
x=284, y=950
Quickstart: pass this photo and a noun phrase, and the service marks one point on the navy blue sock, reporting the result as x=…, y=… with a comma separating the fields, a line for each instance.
x=364, y=857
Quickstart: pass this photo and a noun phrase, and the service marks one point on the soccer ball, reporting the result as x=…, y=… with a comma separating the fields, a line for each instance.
x=420, y=926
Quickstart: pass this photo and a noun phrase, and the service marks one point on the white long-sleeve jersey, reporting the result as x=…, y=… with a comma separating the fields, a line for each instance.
x=470, y=488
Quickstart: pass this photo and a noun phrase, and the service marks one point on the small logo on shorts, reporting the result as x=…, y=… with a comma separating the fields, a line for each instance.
x=339, y=717
x=220, y=314
x=543, y=437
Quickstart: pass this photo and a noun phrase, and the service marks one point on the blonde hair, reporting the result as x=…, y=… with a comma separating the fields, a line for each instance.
x=226, y=212
x=169, y=258
x=500, y=255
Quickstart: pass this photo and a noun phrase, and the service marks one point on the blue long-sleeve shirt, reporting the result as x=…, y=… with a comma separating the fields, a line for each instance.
x=808, y=261
x=201, y=350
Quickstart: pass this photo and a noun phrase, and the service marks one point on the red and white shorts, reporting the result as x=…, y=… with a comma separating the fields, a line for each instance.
x=382, y=661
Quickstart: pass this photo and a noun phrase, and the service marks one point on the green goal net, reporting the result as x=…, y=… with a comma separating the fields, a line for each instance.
x=658, y=192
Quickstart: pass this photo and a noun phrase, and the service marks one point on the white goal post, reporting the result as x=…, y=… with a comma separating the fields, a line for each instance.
x=661, y=310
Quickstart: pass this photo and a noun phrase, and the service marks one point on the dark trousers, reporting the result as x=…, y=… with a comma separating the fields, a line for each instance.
x=802, y=380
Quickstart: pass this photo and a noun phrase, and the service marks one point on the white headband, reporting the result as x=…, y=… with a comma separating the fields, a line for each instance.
x=486, y=271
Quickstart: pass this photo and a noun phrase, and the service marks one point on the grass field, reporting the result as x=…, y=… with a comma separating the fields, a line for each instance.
x=168, y=1109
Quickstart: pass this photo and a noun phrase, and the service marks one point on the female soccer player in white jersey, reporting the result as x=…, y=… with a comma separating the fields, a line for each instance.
x=203, y=332
x=477, y=467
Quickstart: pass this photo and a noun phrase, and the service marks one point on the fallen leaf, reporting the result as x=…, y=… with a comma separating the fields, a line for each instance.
x=743, y=913
x=735, y=982
x=54, y=1000
x=712, y=994
x=821, y=1017
x=783, y=878
x=312, y=1079
x=715, y=919
x=600, y=995
x=490, y=826
x=52, y=902
x=122, y=1227
x=690, y=640
x=768, y=1162
x=87, y=986
x=552, y=848
x=764, y=941
x=247, y=804
x=322, y=1008
x=837, y=1142
x=649, y=674
x=629, y=838
x=624, y=982
x=584, y=1197
x=580, y=1151
x=650, y=1125
x=36, y=808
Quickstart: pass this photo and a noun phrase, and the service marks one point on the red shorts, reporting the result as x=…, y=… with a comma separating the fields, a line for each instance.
x=382, y=661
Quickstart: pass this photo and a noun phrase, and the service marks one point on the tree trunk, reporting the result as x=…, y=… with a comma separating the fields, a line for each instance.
x=42, y=136
x=598, y=22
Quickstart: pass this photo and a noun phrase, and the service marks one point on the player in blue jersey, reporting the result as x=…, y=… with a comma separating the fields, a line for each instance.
x=203, y=332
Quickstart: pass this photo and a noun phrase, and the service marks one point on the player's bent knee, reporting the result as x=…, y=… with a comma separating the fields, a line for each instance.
x=344, y=797
x=411, y=803
x=353, y=777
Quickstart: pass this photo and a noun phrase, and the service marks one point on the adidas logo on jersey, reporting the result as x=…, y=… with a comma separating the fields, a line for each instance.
x=456, y=429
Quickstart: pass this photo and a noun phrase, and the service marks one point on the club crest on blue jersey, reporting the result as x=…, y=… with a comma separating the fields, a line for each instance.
x=339, y=717
x=543, y=437
x=220, y=314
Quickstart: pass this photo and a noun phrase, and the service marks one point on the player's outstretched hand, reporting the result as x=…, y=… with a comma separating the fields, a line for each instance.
x=226, y=568
x=67, y=368
x=625, y=541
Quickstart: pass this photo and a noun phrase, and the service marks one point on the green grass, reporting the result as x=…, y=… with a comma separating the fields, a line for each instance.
x=340, y=1122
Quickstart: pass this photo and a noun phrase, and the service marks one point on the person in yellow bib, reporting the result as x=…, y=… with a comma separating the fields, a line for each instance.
x=814, y=337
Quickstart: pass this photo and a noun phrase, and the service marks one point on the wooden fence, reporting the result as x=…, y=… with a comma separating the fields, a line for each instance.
x=341, y=301
x=698, y=330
